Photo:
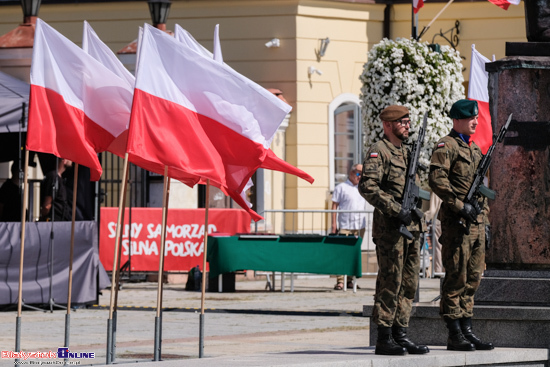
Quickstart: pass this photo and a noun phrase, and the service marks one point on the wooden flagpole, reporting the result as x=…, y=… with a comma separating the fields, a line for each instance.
x=117, y=279
x=205, y=250
x=158, y=317
x=21, y=256
x=71, y=256
x=114, y=275
x=425, y=29
x=414, y=22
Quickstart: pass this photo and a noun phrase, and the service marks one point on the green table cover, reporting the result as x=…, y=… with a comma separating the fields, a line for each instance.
x=292, y=254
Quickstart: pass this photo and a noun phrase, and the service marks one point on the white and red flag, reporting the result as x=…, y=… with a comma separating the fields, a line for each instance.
x=504, y=4
x=187, y=39
x=75, y=102
x=93, y=46
x=478, y=91
x=201, y=118
x=417, y=4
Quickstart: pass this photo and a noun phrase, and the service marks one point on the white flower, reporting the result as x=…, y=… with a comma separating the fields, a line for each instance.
x=409, y=73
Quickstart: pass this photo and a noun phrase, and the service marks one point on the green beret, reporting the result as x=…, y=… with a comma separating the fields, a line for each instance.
x=393, y=113
x=463, y=109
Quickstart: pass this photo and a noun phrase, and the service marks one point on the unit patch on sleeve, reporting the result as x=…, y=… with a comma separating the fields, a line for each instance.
x=374, y=155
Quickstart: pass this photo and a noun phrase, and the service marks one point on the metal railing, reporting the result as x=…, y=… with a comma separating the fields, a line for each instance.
x=295, y=221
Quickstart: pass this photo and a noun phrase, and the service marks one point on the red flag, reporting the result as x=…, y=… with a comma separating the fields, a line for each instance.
x=417, y=4
x=201, y=118
x=478, y=91
x=504, y=4
x=77, y=106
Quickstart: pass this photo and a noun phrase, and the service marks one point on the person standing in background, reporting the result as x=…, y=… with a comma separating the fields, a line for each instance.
x=10, y=197
x=435, y=233
x=54, y=194
x=346, y=197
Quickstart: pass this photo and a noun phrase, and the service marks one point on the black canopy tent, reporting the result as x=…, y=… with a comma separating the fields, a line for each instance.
x=14, y=101
x=14, y=98
x=41, y=275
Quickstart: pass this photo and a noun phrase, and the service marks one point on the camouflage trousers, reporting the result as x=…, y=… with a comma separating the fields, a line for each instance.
x=464, y=261
x=397, y=281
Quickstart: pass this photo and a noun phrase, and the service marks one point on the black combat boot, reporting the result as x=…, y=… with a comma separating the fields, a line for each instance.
x=400, y=336
x=456, y=340
x=466, y=327
x=386, y=345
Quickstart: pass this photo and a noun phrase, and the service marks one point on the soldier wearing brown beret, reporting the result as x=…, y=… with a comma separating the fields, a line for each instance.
x=382, y=184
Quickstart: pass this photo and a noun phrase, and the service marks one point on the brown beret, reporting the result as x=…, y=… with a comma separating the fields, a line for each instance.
x=393, y=113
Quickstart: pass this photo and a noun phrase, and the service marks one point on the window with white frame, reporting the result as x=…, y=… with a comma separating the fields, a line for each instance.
x=345, y=137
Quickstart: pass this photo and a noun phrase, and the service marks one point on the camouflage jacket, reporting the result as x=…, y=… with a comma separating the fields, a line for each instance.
x=382, y=184
x=452, y=170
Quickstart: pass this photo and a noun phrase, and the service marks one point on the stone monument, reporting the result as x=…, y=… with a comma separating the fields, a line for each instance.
x=518, y=265
x=512, y=305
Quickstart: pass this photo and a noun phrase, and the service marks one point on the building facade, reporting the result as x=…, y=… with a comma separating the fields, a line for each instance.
x=316, y=63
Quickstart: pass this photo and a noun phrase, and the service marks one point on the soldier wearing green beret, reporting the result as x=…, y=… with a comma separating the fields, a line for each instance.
x=452, y=169
x=382, y=184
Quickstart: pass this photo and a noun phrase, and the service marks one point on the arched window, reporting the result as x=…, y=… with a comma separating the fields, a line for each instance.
x=345, y=137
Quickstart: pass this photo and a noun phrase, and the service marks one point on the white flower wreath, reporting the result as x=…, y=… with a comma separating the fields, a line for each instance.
x=406, y=72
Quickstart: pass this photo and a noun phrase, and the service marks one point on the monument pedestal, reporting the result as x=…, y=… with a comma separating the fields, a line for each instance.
x=515, y=288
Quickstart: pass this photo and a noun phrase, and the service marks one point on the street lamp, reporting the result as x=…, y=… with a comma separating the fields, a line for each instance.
x=159, y=12
x=30, y=10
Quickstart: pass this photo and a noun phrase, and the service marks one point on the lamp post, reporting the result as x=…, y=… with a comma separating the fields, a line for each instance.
x=16, y=45
x=159, y=10
x=30, y=10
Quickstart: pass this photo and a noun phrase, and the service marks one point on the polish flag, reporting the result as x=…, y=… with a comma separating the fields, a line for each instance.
x=200, y=118
x=188, y=40
x=272, y=161
x=478, y=91
x=504, y=4
x=417, y=4
x=76, y=103
x=93, y=46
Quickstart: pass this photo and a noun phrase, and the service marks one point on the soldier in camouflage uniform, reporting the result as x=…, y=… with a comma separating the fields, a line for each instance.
x=382, y=184
x=453, y=165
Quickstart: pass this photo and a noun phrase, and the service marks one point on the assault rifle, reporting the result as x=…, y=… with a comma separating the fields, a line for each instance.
x=478, y=189
x=412, y=193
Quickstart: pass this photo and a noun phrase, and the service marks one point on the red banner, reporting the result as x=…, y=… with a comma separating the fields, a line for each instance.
x=184, y=245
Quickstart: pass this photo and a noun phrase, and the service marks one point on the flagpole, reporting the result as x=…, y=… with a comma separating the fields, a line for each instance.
x=414, y=21
x=158, y=317
x=23, y=223
x=117, y=278
x=114, y=274
x=71, y=256
x=471, y=61
x=117, y=274
x=425, y=29
x=205, y=250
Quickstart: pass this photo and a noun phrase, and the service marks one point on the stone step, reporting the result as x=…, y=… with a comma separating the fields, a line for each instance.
x=513, y=290
x=365, y=357
x=504, y=326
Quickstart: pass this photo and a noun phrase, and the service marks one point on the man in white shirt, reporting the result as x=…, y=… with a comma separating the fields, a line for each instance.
x=346, y=196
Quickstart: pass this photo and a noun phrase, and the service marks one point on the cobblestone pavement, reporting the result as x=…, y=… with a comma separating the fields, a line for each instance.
x=249, y=321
